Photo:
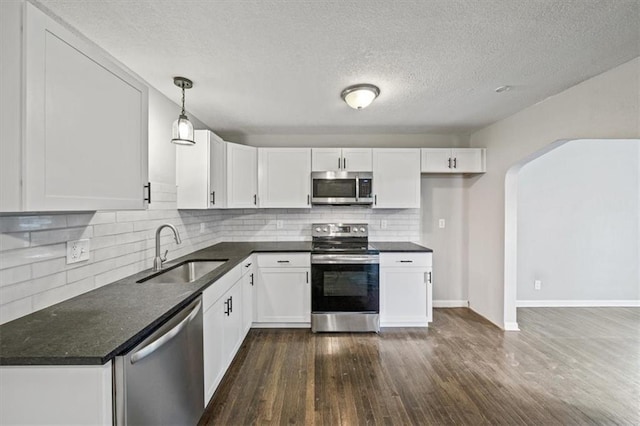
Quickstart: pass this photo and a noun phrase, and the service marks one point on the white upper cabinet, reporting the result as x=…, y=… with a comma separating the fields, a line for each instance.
x=396, y=178
x=284, y=176
x=341, y=159
x=85, y=122
x=201, y=172
x=242, y=176
x=455, y=160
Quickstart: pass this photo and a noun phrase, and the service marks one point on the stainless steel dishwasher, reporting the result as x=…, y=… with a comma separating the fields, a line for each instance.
x=160, y=381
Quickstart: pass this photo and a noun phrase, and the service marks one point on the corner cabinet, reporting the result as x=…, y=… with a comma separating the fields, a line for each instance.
x=201, y=172
x=84, y=121
x=396, y=178
x=284, y=177
x=406, y=288
x=242, y=176
x=455, y=160
x=214, y=174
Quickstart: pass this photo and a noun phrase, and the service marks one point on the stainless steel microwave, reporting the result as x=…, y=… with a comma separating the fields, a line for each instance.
x=341, y=188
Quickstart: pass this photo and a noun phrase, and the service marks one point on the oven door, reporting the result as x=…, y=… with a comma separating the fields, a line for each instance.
x=345, y=283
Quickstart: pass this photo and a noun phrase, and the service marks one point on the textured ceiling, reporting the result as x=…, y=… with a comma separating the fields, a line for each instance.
x=271, y=67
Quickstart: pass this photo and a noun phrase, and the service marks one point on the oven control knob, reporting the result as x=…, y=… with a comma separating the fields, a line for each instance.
x=318, y=229
x=325, y=230
x=362, y=230
x=355, y=229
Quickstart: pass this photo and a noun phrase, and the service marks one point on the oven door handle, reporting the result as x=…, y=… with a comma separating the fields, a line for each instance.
x=344, y=259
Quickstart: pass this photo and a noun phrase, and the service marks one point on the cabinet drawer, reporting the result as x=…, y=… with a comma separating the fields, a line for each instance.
x=399, y=260
x=247, y=264
x=284, y=260
x=220, y=287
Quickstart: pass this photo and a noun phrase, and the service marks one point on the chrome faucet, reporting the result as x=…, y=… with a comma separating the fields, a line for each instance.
x=158, y=260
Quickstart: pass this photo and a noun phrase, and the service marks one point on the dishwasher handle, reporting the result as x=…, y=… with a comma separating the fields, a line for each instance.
x=165, y=338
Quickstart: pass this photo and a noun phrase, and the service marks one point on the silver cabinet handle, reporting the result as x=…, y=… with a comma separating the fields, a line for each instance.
x=344, y=163
x=430, y=277
x=405, y=261
x=455, y=163
x=449, y=162
x=283, y=261
x=247, y=265
x=213, y=197
x=375, y=199
x=255, y=199
x=165, y=338
x=308, y=199
x=339, y=162
x=307, y=277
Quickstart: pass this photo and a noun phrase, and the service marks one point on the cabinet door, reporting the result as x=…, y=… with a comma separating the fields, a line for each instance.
x=326, y=159
x=284, y=177
x=357, y=159
x=192, y=173
x=403, y=297
x=213, y=336
x=284, y=295
x=468, y=160
x=217, y=191
x=436, y=160
x=242, y=176
x=248, y=285
x=232, y=333
x=396, y=178
x=86, y=124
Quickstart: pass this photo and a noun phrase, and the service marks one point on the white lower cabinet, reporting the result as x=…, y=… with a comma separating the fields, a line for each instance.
x=283, y=289
x=56, y=394
x=248, y=285
x=405, y=289
x=223, y=330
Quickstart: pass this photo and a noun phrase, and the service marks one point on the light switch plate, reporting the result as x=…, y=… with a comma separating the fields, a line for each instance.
x=279, y=224
x=537, y=285
x=441, y=223
x=77, y=251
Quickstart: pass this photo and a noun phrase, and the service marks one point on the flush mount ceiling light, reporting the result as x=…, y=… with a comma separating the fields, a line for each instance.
x=360, y=96
x=182, y=127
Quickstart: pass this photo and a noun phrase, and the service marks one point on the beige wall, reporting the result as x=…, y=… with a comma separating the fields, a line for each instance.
x=605, y=106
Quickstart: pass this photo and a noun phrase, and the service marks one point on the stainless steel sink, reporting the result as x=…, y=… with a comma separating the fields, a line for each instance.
x=185, y=273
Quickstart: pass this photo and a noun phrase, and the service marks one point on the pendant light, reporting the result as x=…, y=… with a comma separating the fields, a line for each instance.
x=182, y=127
x=360, y=96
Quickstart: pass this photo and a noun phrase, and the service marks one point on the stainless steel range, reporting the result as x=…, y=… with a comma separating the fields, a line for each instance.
x=345, y=281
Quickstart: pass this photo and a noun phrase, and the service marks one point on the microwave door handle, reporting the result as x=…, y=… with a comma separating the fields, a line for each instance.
x=357, y=188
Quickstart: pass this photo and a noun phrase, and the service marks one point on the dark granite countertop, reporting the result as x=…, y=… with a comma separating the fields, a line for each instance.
x=401, y=246
x=91, y=329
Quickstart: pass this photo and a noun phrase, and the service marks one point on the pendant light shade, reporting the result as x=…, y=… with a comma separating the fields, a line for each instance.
x=182, y=128
x=360, y=96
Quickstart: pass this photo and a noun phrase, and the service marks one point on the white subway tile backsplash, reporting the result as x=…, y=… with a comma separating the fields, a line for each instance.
x=58, y=294
x=112, y=229
x=14, y=275
x=16, y=309
x=30, y=255
x=41, y=238
x=34, y=273
x=14, y=240
x=31, y=223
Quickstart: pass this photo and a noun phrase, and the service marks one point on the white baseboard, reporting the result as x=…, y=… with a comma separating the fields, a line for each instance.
x=450, y=304
x=511, y=326
x=576, y=303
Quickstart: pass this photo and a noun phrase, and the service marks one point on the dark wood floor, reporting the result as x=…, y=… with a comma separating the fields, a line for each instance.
x=568, y=366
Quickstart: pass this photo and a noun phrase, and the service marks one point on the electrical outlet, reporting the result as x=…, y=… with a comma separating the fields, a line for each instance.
x=383, y=224
x=279, y=224
x=202, y=228
x=537, y=285
x=441, y=223
x=77, y=251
